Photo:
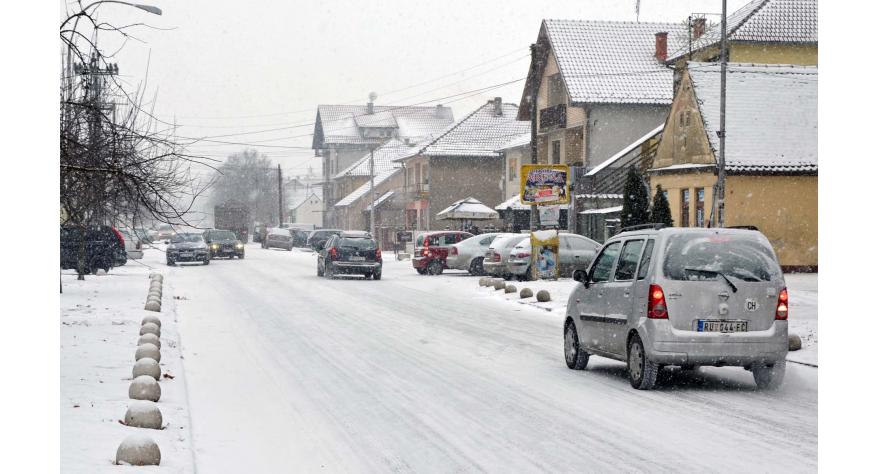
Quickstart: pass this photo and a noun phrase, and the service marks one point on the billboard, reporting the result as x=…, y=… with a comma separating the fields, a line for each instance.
x=543, y=184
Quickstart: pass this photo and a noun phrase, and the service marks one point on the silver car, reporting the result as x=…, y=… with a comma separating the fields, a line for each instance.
x=495, y=261
x=468, y=254
x=576, y=252
x=682, y=297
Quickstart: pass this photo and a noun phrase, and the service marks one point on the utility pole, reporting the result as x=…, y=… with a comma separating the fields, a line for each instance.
x=280, y=199
x=372, y=199
x=533, y=107
x=721, y=133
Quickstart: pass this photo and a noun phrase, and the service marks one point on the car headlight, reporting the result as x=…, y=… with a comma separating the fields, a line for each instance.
x=215, y=246
x=239, y=246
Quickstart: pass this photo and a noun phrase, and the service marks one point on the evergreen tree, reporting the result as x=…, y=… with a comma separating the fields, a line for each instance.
x=636, y=209
x=661, y=213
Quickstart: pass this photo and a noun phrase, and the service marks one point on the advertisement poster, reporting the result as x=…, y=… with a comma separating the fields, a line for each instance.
x=544, y=184
x=545, y=254
x=549, y=215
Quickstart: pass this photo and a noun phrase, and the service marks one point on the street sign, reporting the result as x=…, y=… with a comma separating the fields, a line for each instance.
x=543, y=184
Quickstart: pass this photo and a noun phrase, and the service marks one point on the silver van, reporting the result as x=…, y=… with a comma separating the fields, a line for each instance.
x=686, y=297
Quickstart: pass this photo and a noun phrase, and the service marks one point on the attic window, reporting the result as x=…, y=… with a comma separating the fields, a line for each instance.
x=555, y=90
x=687, y=119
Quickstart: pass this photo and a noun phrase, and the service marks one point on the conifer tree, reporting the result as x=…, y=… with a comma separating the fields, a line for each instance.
x=660, y=212
x=636, y=210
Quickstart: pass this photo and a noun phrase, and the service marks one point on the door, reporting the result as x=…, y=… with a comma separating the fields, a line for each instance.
x=592, y=305
x=619, y=297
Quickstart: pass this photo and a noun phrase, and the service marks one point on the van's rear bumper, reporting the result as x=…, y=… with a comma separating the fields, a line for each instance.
x=666, y=345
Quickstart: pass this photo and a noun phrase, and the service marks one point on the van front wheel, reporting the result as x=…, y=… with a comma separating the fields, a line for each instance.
x=575, y=358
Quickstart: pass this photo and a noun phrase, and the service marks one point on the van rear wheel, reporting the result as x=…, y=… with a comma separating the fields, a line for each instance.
x=642, y=372
x=769, y=378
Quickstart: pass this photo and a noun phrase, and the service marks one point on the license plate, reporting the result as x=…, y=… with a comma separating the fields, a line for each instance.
x=227, y=250
x=356, y=259
x=723, y=326
x=186, y=254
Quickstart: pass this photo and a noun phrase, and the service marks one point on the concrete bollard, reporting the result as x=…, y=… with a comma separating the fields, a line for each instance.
x=151, y=328
x=499, y=285
x=144, y=414
x=154, y=293
x=146, y=366
x=153, y=306
x=154, y=298
x=147, y=350
x=157, y=277
x=543, y=296
x=510, y=289
x=138, y=450
x=526, y=293
x=152, y=318
x=100, y=272
x=794, y=342
x=144, y=388
x=150, y=338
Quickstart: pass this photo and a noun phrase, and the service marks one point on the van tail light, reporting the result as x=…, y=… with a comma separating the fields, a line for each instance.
x=657, y=303
x=454, y=250
x=333, y=253
x=378, y=254
x=118, y=234
x=782, y=305
x=523, y=255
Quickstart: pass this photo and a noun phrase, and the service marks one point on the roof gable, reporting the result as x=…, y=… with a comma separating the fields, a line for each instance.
x=342, y=124
x=364, y=190
x=382, y=159
x=480, y=133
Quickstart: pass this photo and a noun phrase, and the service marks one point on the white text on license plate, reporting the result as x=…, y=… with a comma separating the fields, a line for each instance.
x=186, y=254
x=723, y=326
x=356, y=259
x=227, y=250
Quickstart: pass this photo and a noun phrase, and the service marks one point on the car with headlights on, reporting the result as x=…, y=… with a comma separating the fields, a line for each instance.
x=576, y=252
x=657, y=296
x=469, y=253
x=164, y=232
x=223, y=244
x=351, y=253
x=187, y=247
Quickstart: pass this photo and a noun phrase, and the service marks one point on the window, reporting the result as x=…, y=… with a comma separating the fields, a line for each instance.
x=487, y=241
x=555, y=90
x=602, y=270
x=685, y=208
x=700, y=257
x=687, y=119
x=580, y=243
x=701, y=197
x=646, y=260
x=629, y=258
x=512, y=166
x=557, y=152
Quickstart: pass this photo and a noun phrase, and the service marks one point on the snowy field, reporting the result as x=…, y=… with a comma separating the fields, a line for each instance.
x=288, y=372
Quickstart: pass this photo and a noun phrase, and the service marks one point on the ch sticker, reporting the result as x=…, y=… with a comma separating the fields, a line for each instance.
x=751, y=305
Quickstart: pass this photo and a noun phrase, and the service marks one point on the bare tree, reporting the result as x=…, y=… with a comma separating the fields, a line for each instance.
x=248, y=178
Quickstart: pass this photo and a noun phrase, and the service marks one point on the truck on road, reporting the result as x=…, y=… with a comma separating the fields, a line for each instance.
x=233, y=216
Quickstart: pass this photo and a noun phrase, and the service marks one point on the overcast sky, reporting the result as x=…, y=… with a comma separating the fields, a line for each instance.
x=233, y=67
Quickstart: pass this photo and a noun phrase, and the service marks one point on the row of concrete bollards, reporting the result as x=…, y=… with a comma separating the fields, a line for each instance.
x=140, y=449
x=499, y=284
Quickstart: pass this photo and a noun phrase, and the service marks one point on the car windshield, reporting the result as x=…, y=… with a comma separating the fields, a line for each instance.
x=358, y=243
x=701, y=257
x=165, y=227
x=222, y=235
x=180, y=238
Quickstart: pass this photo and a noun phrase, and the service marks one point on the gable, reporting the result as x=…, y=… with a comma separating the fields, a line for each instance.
x=685, y=138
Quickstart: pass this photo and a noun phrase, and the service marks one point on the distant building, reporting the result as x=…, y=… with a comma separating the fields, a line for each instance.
x=307, y=210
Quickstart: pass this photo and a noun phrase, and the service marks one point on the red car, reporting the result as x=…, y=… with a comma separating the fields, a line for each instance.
x=432, y=248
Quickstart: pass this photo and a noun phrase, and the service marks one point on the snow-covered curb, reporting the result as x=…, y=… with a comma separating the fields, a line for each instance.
x=100, y=322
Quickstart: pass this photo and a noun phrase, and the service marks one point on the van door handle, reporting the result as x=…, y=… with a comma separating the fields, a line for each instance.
x=626, y=292
x=601, y=292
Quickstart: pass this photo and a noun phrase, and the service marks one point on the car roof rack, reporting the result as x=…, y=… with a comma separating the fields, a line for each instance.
x=654, y=226
x=744, y=227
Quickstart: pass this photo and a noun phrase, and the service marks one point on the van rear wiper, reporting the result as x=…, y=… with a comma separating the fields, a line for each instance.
x=702, y=270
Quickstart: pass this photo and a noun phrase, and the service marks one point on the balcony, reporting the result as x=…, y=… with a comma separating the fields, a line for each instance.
x=552, y=118
x=418, y=191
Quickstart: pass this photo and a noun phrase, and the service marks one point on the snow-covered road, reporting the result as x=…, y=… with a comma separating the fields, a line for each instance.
x=288, y=372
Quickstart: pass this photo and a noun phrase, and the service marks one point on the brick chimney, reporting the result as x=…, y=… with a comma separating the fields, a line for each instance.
x=660, y=45
x=370, y=107
x=699, y=27
x=439, y=112
x=498, y=110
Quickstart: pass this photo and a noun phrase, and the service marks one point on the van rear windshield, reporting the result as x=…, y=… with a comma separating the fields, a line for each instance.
x=697, y=256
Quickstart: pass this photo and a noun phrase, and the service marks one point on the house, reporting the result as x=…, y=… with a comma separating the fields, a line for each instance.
x=762, y=32
x=298, y=192
x=353, y=211
x=461, y=162
x=514, y=153
x=343, y=134
x=771, y=154
x=307, y=210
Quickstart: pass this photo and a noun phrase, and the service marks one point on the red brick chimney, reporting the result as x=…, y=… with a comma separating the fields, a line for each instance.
x=699, y=27
x=660, y=45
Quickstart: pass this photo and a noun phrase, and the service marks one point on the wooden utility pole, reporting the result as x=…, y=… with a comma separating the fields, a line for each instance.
x=721, y=132
x=372, y=199
x=280, y=199
x=533, y=107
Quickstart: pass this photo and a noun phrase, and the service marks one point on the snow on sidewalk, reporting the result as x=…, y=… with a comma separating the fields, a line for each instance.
x=100, y=323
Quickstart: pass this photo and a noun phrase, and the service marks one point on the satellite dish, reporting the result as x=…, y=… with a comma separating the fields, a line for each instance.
x=373, y=96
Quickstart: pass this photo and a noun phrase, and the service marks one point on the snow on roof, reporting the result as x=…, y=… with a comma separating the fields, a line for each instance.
x=381, y=159
x=380, y=201
x=685, y=166
x=512, y=204
x=622, y=153
x=301, y=199
x=767, y=21
x=604, y=210
x=468, y=208
x=772, y=119
x=365, y=189
x=523, y=140
x=613, y=62
x=341, y=124
x=478, y=134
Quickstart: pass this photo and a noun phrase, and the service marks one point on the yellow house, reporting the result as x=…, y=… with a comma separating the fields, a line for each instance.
x=771, y=154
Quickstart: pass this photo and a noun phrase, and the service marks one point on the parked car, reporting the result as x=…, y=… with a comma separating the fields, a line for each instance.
x=104, y=248
x=305, y=226
x=317, y=238
x=278, y=238
x=495, y=261
x=144, y=235
x=576, y=252
x=352, y=253
x=165, y=232
x=432, y=249
x=682, y=297
x=300, y=236
x=223, y=243
x=188, y=247
x=132, y=245
x=469, y=253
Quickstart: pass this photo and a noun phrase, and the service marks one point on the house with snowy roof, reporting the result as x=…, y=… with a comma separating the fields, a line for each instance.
x=353, y=211
x=343, y=134
x=771, y=154
x=461, y=162
x=306, y=208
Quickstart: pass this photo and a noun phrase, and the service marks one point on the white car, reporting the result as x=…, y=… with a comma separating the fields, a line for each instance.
x=468, y=254
x=132, y=244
